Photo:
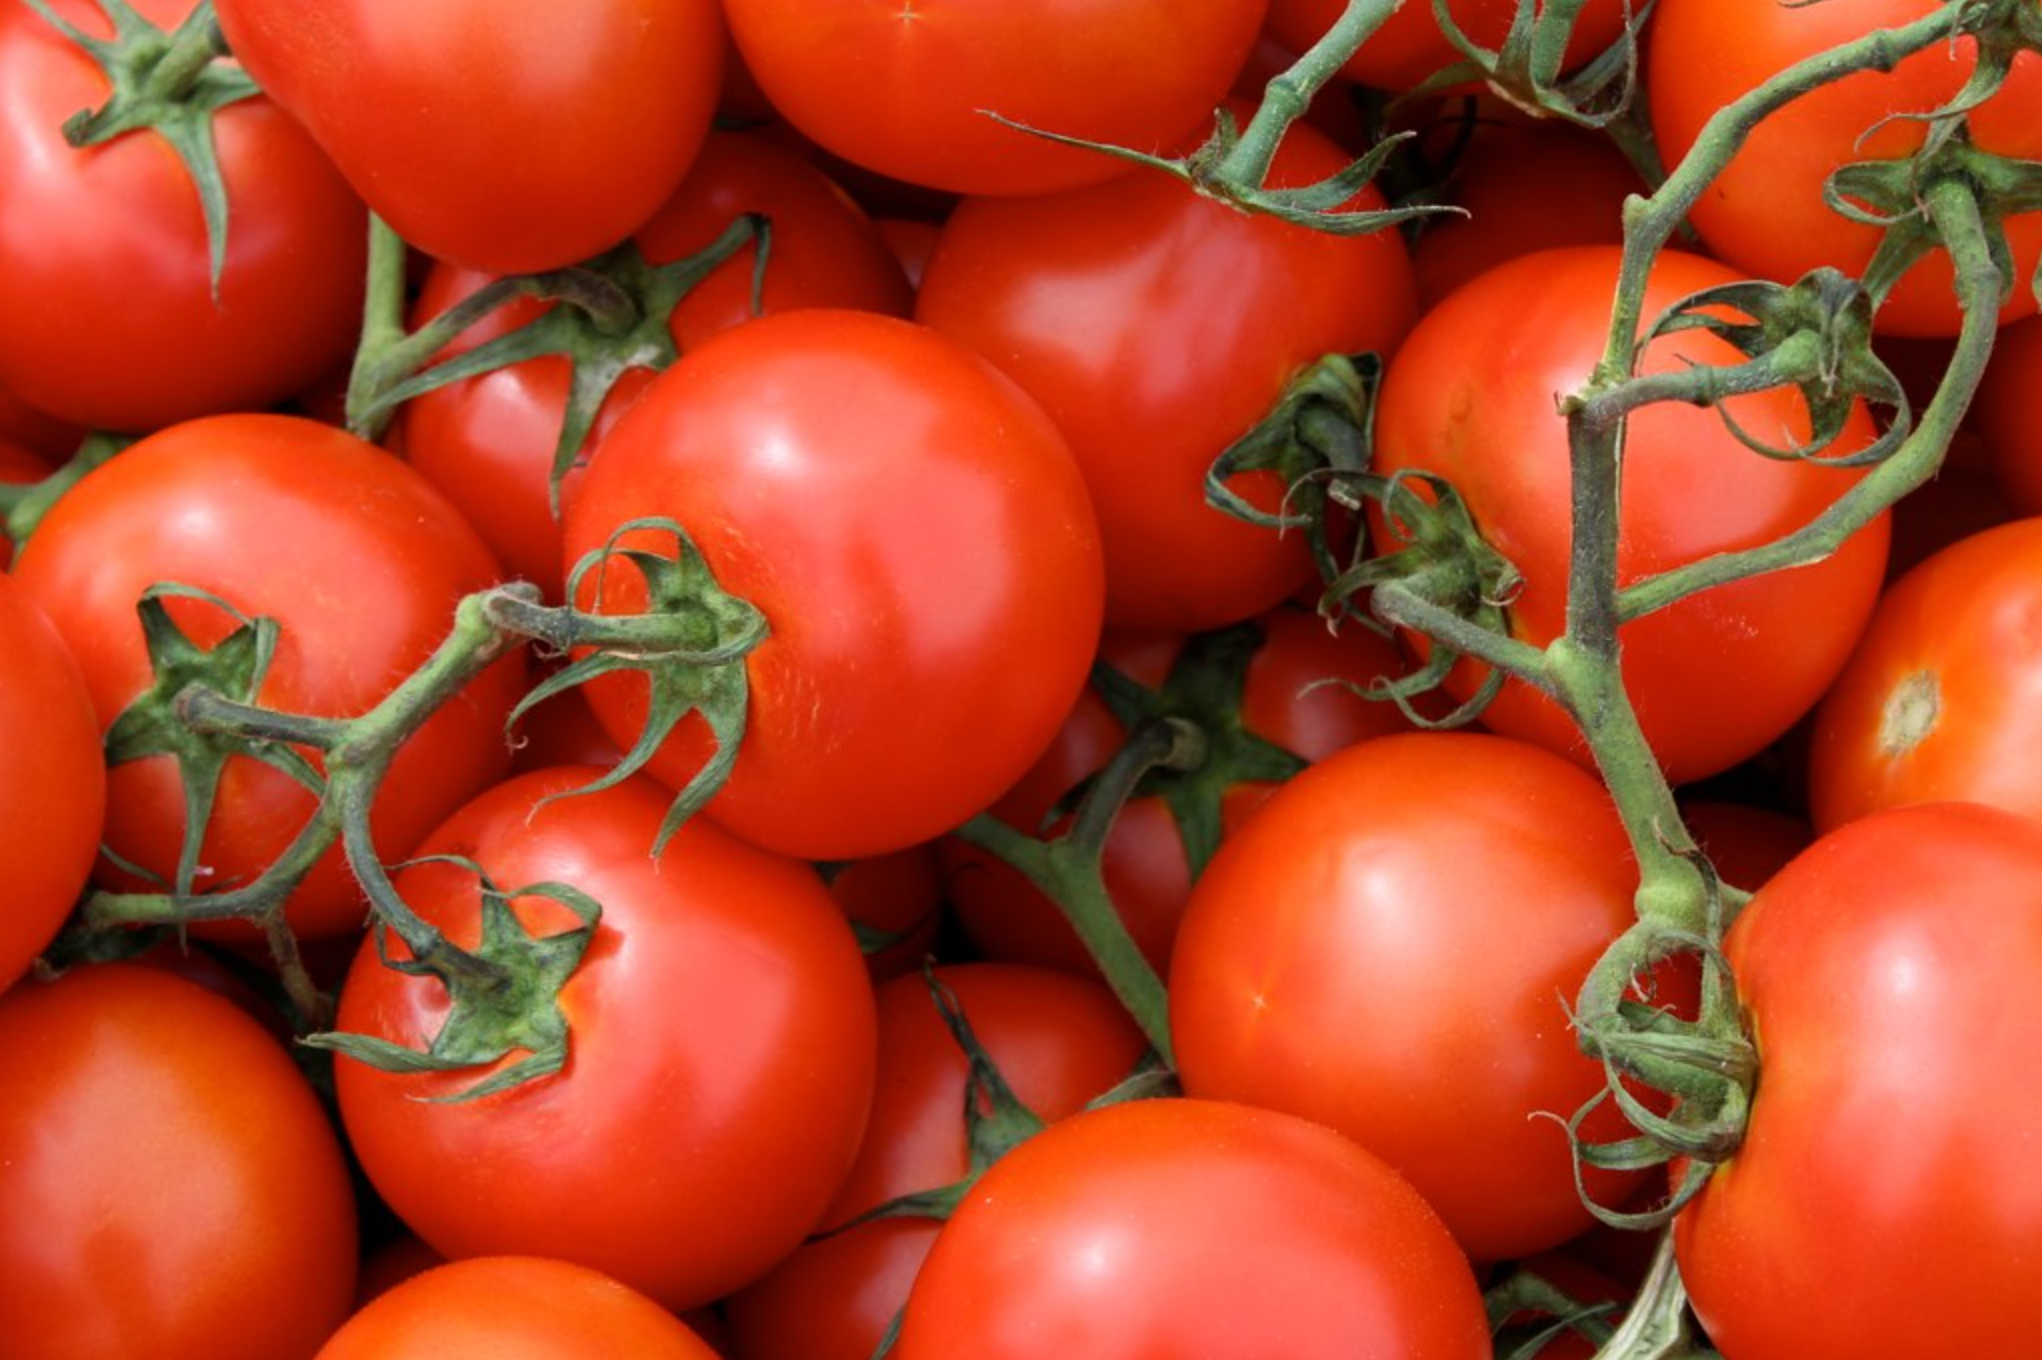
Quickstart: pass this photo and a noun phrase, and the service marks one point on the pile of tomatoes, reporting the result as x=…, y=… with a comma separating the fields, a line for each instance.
x=935, y=854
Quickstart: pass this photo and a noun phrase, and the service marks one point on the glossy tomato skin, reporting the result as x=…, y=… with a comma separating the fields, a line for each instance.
x=1888, y=977
x=506, y=140
x=1058, y=1041
x=1410, y=47
x=721, y=1059
x=919, y=539
x=1388, y=947
x=1764, y=214
x=1490, y=428
x=906, y=90
x=148, y=1118
x=104, y=265
x=1072, y=294
x=52, y=780
x=361, y=563
x=514, y=1308
x=1174, y=1229
x=1937, y=702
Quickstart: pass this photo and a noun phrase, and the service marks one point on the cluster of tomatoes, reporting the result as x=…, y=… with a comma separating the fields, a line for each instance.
x=897, y=513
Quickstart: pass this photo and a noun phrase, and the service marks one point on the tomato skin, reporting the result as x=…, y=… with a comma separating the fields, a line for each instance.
x=1409, y=47
x=146, y=1115
x=721, y=1052
x=513, y=1308
x=104, y=265
x=52, y=780
x=1058, y=1041
x=1068, y=294
x=1936, y=704
x=1492, y=431
x=1170, y=1229
x=903, y=90
x=521, y=142
x=1764, y=214
x=1888, y=977
x=2005, y=415
x=1387, y=947
x=359, y=560
x=919, y=539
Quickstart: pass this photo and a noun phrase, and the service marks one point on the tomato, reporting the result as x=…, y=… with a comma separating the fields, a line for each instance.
x=1746, y=845
x=1192, y=1227
x=1282, y=700
x=1409, y=47
x=1765, y=214
x=1388, y=947
x=1071, y=294
x=105, y=273
x=919, y=540
x=894, y=902
x=52, y=781
x=2005, y=415
x=489, y=442
x=1690, y=490
x=721, y=1052
x=1936, y=703
x=514, y=1308
x=33, y=431
x=1887, y=973
x=360, y=562
x=507, y=141
x=1058, y=1042
x=906, y=89
x=150, y=1122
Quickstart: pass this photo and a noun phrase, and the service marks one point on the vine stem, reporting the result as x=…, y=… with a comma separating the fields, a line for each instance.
x=1288, y=94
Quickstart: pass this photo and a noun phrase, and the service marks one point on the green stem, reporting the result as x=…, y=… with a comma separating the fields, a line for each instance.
x=1290, y=92
x=194, y=46
x=1656, y=1327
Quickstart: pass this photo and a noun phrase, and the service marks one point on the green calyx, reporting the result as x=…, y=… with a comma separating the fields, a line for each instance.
x=1527, y=67
x=509, y=1004
x=690, y=642
x=172, y=83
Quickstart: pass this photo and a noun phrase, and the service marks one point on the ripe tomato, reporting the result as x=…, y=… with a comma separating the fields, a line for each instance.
x=52, y=780
x=919, y=539
x=152, y=1124
x=36, y=432
x=1193, y=1227
x=1937, y=703
x=1058, y=1041
x=1410, y=47
x=514, y=1308
x=505, y=140
x=1888, y=973
x=105, y=272
x=361, y=563
x=720, y=1064
x=906, y=89
x=1764, y=213
x=1069, y=294
x=1492, y=431
x=2005, y=415
x=1388, y=947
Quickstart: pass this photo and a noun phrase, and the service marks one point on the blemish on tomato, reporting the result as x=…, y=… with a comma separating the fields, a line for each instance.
x=1910, y=714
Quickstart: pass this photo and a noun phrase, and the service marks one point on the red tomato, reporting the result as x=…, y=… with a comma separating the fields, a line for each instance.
x=919, y=539
x=1058, y=1041
x=509, y=140
x=514, y=1308
x=1146, y=872
x=905, y=89
x=1690, y=491
x=361, y=563
x=105, y=272
x=1746, y=845
x=1937, y=703
x=720, y=1068
x=1388, y=947
x=1888, y=974
x=1193, y=1228
x=894, y=902
x=153, y=1129
x=1071, y=294
x=488, y=442
x=1410, y=47
x=52, y=780
x=1765, y=214
x=2006, y=415
x=41, y=434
